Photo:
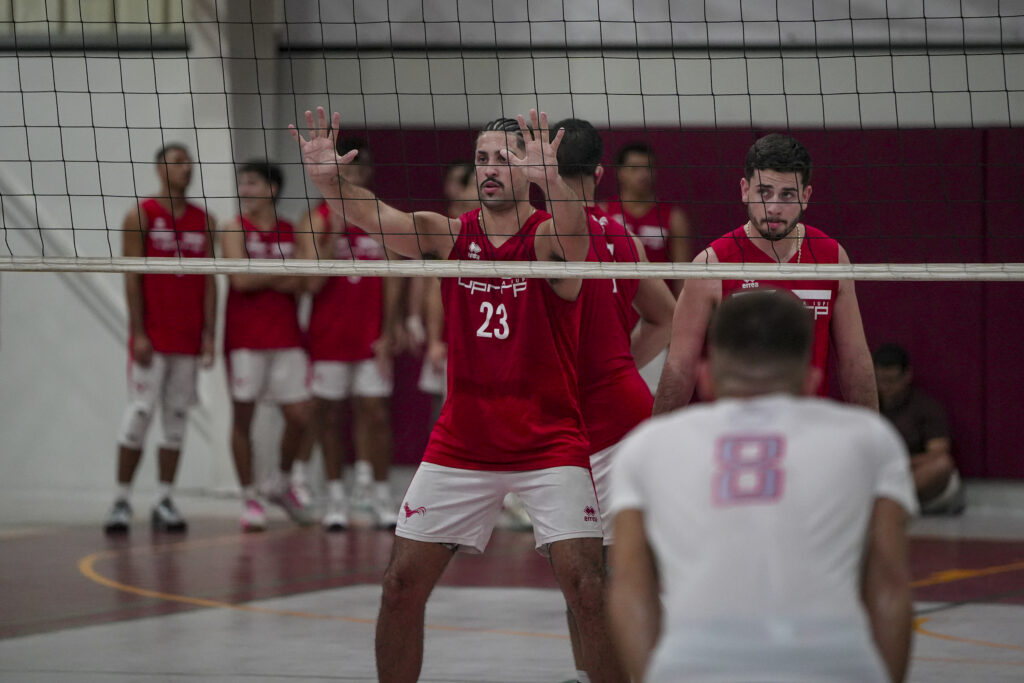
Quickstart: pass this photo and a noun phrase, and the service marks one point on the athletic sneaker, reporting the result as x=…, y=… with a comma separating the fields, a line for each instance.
x=253, y=517
x=166, y=517
x=303, y=494
x=514, y=516
x=385, y=512
x=336, y=518
x=119, y=519
x=289, y=500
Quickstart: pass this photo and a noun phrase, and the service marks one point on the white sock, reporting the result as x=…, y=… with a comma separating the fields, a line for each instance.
x=335, y=491
x=124, y=492
x=163, y=490
x=382, y=490
x=298, y=473
x=248, y=493
x=582, y=677
x=364, y=473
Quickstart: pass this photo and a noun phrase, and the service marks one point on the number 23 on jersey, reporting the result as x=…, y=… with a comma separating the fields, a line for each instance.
x=748, y=469
x=495, y=321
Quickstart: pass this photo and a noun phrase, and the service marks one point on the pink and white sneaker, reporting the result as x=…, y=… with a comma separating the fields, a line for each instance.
x=291, y=501
x=253, y=517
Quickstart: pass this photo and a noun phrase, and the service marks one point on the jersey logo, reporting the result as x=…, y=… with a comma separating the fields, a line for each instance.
x=517, y=285
x=474, y=250
x=409, y=512
x=819, y=301
x=750, y=284
x=590, y=514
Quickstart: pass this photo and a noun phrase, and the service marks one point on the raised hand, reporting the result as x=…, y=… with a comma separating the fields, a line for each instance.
x=540, y=158
x=319, y=153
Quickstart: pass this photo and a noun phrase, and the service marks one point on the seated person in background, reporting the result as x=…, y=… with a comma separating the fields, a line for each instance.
x=921, y=421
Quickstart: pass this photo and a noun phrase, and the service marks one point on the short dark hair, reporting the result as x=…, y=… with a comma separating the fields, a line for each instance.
x=581, y=150
x=778, y=152
x=763, y=327
x=463, y=168
x=635, y=147
x=890, y=356
x=347, y=144
x=162, y=152
x=264, y=169
x=504, y=125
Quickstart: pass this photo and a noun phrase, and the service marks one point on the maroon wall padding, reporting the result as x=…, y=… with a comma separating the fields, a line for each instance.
x=935, y=196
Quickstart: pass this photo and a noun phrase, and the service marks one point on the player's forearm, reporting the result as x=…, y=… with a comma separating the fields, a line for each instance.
x=210, y=306
x=569, y=218
x=356, y=205
x=675, y=388
x=648, y=340
x=133, y=297
x=635, y=626
x=891, y=615
x=857, y=381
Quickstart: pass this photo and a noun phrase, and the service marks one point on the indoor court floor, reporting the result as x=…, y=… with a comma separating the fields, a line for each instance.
x=295, y=604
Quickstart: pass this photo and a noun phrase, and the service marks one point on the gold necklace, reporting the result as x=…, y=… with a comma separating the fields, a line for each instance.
x=799, y=239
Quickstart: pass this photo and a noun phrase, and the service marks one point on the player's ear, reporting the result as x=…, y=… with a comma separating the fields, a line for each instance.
x=806, y=195
x=705, y=381
x=812, y=380
x=744, y=188
x=598, y=174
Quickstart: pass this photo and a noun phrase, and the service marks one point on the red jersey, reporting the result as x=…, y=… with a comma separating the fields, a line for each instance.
x=264, y=319
x=817, y=295
x=513, y=390
x=653, y=228
x=348, y=313
x=613, y=396
x=172, y=305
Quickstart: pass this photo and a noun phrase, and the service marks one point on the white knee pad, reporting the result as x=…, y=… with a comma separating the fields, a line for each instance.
x=135, y=424
x=173, y=421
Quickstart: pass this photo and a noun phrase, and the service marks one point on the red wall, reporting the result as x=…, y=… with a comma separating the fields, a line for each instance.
x=938, y=196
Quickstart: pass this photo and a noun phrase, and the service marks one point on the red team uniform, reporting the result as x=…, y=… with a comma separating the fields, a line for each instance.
x=652, y=228
x=512, y=418
x=818, y=295
x=265, y=319
x=513, y=401
x=614, y=397
x=173, y=304
x=348, y=313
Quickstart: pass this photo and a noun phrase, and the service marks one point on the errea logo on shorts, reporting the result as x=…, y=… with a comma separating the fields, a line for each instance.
x=590, y=514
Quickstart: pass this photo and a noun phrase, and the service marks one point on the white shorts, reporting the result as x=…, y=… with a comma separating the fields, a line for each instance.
x=461, y=507
x=335, y=380
x=601, y=470
x=275, y=375
x=170, y=380
x=432, y=381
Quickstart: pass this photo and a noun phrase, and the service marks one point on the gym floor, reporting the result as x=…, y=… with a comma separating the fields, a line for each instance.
x=295, y=604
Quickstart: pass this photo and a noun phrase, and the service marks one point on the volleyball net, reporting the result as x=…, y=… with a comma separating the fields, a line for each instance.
x=911, y=112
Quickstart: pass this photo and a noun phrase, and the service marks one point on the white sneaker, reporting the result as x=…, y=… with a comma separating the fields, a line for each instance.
x=336, y=518
x=386, y=513
x=253, y=517
x=514, y=516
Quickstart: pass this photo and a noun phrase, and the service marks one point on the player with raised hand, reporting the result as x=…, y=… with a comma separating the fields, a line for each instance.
x=511, y=421
x=775, y=189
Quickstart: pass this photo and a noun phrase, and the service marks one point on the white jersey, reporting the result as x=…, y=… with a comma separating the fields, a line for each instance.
x=757, y=512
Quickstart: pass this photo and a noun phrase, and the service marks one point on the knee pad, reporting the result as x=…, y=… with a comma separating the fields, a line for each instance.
x=135, y=424
x=173, y=421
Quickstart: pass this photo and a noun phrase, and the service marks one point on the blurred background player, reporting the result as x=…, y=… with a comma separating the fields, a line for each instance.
x=511, y=421
x=775, y=189
x=613, y=396
x=664, y=229
x=351, y=346
x=778, y=544
x=171, y=326
x=263, y=342
x=921, y=421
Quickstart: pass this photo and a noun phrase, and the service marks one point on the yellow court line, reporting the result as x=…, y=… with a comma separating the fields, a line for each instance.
x=86, y=566
x=951, y=575
x=918, y=627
